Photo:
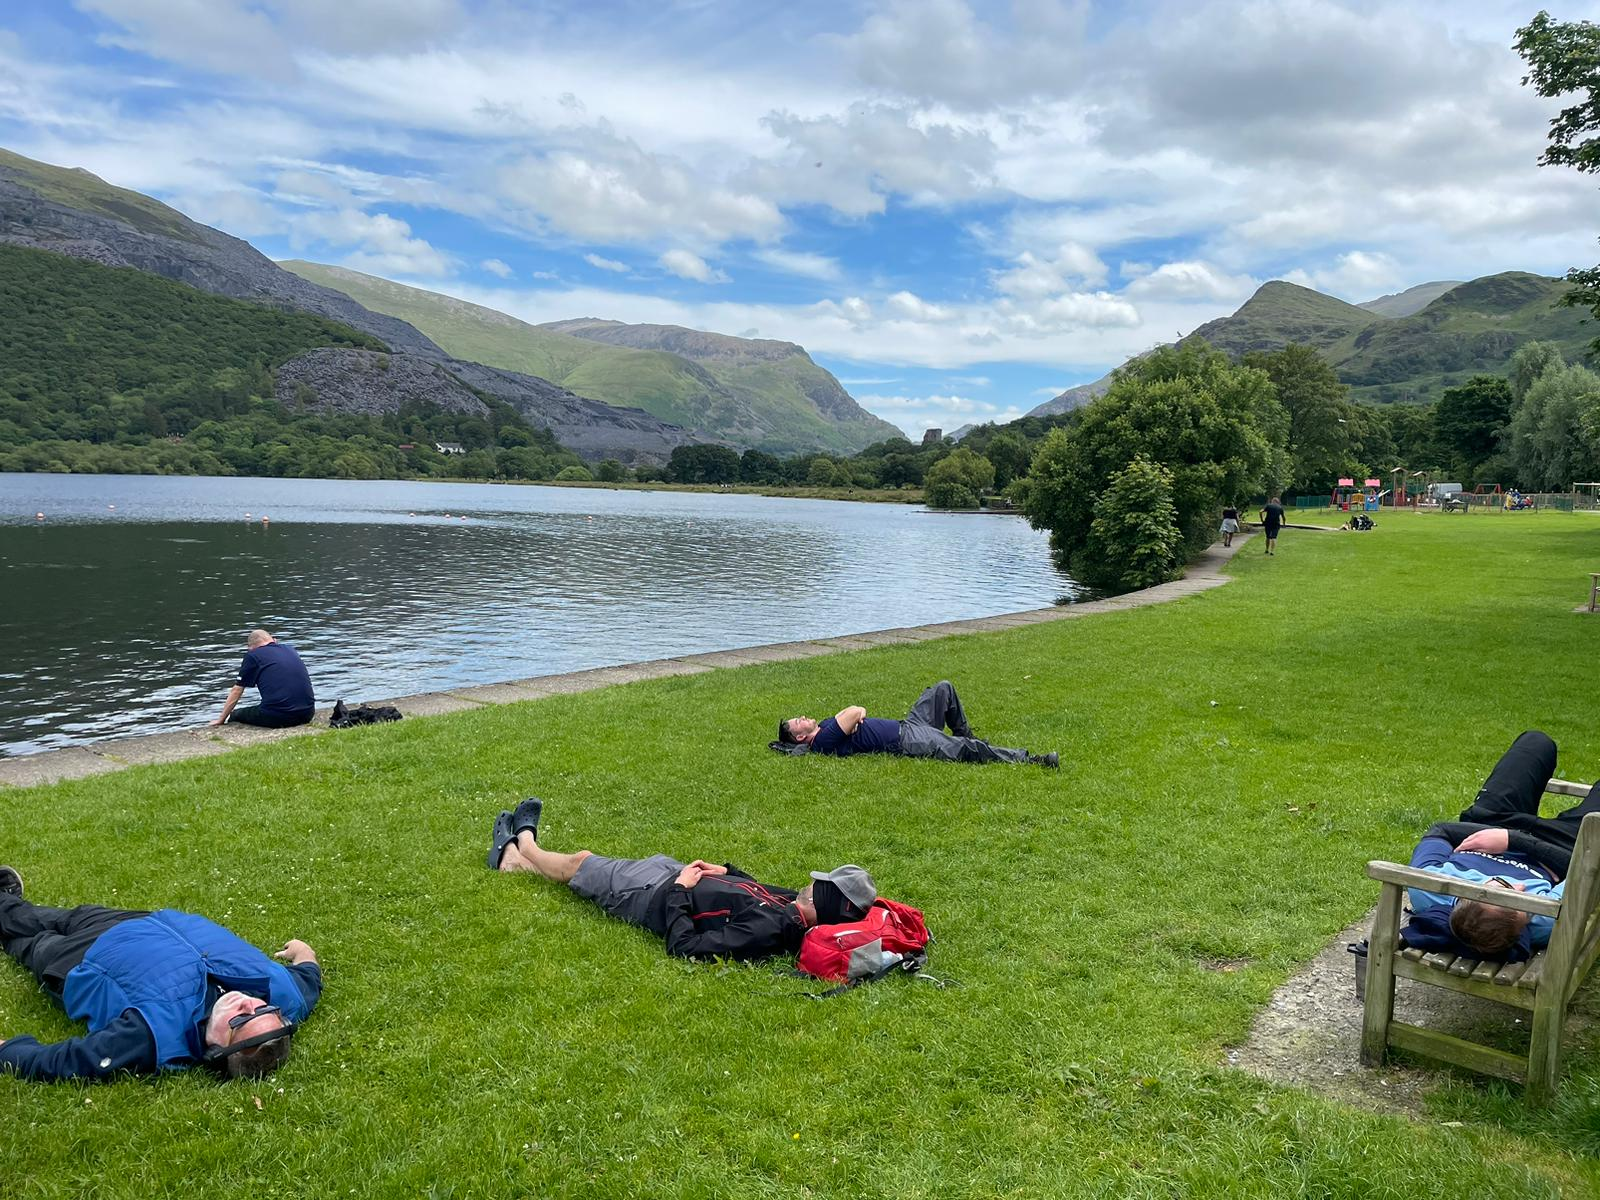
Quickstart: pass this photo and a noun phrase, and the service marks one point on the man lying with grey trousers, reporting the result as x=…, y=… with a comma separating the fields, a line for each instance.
x=920, y=735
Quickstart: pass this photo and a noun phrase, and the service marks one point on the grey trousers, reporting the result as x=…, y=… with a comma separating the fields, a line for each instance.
x=922, y=733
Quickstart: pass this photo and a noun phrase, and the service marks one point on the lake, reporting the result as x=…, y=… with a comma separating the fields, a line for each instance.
x=124, y=610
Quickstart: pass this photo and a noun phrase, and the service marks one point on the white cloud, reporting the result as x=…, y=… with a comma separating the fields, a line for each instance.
x=913, y=307
x=685, y=265
x=1034, y=276
x=383, y=244
x=496, y=267
x=795, y=262
x=605, y=264
x=1191, y=281
x=1359, y=273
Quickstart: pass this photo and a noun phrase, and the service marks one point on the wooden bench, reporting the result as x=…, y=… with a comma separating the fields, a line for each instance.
x=1594, y=589
x=1543, y=985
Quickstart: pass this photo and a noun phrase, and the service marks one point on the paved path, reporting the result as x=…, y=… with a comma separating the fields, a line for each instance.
x=74, y=762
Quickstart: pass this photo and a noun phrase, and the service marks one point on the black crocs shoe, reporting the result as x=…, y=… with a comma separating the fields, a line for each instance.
x=10, y=882
x=1052, y=761
x=527, y=816
x=501, y=836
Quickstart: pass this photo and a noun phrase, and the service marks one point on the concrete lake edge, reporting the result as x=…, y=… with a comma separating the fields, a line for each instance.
x=1203, y=573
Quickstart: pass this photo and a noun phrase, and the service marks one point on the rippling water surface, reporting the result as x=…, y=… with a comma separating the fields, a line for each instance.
x=124, y=610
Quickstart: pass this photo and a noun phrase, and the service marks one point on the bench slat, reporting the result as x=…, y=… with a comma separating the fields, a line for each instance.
x=1514, y=997
x=1486, y=971
x=1535, y=972
x=1509, y=973
x=1463, y=966
x=1439, y=960
x=1565, y=787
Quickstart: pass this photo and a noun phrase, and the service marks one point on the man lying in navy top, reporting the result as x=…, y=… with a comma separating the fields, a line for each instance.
x=921, y=735
x=160, y=991
x=1500, y=841
x=274, y=669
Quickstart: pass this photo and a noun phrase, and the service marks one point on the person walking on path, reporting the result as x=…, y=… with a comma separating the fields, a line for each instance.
x=701, y=909
x=920, y=735
x=1499, y=841
x=274, y=669
x=1230, y=525
x=1271, y=522
x=160, y=991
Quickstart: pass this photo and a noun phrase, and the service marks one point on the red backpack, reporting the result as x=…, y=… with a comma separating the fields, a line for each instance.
x=892, y=935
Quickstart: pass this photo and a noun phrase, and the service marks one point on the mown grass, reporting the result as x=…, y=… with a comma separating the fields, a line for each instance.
x=1229, y=763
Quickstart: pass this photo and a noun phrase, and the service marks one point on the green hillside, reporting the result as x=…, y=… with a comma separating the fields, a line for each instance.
x=1470, y=329
x=114, y=369
x=79, y=189
x=767, y=405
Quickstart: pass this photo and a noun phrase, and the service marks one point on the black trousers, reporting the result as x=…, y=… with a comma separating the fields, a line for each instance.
x=1509, y=798
x=922, y=733
x=268, y=720
x=51, y=941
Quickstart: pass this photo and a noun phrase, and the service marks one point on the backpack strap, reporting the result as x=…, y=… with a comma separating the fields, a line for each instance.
x=911, y=964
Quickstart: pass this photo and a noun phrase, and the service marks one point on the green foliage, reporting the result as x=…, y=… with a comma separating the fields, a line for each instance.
x=610, y=471
x=1009, y=454
x=1321, y=444
x=959, y=480
x=1563, y=60
x=105, y=370
x=1217, y=427
x=1550, y=438
x=757, y=466
x=1133, y=541
x=573, y=475
x=703, y=464
x=1468, y=423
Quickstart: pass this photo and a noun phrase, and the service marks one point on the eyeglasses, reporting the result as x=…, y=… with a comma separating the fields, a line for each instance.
x=244, y=1019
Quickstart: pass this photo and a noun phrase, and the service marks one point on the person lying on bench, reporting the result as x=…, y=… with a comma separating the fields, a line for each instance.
x=921, y=735
x=1500, y=841
x=703, y=910
x=160, y=991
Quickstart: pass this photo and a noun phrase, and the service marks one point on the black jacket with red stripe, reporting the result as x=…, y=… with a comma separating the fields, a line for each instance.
x=727, y=916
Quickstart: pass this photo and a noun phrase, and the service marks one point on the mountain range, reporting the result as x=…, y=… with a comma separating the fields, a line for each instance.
x=750, y=393
x=603, y=390
x=1408, y=347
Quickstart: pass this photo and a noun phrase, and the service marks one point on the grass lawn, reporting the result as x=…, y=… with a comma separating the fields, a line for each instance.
x=1229, y=763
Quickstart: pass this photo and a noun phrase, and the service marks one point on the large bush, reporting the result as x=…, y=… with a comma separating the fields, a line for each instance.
x=1133, y=540
x=958, y=480
x=1217, y=428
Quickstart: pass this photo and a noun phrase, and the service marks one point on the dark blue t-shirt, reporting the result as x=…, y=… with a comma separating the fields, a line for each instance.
x=875, y=735
x=276, y=671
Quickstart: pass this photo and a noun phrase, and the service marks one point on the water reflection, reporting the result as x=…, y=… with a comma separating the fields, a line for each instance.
x=131, y=619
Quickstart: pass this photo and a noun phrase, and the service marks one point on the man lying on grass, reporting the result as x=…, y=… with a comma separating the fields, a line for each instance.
x=700, y=908
x=921, y=735
x=1500, y=841
x=160, y=991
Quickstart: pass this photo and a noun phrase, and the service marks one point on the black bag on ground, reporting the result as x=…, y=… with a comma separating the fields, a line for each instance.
x=365, y=714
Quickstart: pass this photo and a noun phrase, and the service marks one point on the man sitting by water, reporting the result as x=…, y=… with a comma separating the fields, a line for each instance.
x=1500, y=841
x=703, y=910
x=160, y=991
x=921, y=735
x=274, y=669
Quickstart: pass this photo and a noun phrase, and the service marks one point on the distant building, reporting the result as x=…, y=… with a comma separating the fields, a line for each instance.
x=933, y=437
x=449, y=447
x=406, y=446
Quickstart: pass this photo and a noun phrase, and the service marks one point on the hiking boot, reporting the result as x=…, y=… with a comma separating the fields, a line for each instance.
x=499, y=837
x=10, y=882
x=527, y=816
x=1051, y=760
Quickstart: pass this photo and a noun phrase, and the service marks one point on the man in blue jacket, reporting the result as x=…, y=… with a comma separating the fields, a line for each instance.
x=274, y=669
x=160, y=991
x=1500, y=841
x=921, y=735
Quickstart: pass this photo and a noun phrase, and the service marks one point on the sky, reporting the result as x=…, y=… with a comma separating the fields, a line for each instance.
x=959, y=208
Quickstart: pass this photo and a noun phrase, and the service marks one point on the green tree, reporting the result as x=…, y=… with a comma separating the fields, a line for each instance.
x=610, y=471
x=1563, y=59
x=958, y=480
x=1320, y=442
x=1134, y=541
x=573, y=475
x=1550, y=436
x=1009, y=454
x=757, y=466
x=1468, y=423
x=1217, y=427
x=820, y=473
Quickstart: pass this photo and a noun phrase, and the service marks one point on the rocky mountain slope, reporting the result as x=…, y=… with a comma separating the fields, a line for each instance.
x=73, y=212
x=1464, y=330
x=749, y=393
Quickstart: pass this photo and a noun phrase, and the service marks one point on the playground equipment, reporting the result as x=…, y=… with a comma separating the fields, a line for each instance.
x=1342, y=493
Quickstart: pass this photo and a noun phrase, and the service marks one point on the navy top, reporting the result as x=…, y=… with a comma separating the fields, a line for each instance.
x=875, y=735
x=124, y=1045
x=1273, y=514
x=275, y=670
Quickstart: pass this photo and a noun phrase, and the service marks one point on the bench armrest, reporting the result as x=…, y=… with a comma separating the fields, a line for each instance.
x=1565, y=787
x=1443, y=885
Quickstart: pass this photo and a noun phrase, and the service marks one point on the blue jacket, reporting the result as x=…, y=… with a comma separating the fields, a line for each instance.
x=165, y=967
x=1524, y=861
